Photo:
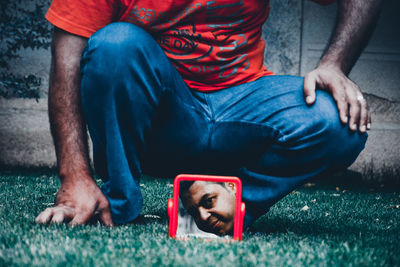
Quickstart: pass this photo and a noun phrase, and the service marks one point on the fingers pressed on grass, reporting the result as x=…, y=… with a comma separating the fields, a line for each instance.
x=58, y=217
x=80, y=218
x=45, y=216
x=105, y=218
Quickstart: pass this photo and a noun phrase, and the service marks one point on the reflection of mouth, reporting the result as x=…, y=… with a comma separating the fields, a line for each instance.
x=215, y=226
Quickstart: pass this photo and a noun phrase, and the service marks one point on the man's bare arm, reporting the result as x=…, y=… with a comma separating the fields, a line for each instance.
x=78, y=198
x=356, y=20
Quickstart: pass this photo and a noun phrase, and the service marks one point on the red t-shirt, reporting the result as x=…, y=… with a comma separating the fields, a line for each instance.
x=213, y=44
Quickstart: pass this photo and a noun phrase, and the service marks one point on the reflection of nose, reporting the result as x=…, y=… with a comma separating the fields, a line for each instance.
x=204, y=214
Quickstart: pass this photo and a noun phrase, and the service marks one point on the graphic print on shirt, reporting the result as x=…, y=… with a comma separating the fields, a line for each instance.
x=211, y=47
x=207, y=41
x=185, y=46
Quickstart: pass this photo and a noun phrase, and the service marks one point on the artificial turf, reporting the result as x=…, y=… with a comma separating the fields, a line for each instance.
x=345, y=226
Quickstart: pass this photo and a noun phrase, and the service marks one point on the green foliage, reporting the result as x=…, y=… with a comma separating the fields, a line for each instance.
x=341, y=227
x=19, y=86
x=22, y=25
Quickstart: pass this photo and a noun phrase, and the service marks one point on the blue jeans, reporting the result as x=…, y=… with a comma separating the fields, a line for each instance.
x=143, y=118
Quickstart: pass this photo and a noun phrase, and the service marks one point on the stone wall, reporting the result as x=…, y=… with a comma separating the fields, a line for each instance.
x=296, y=34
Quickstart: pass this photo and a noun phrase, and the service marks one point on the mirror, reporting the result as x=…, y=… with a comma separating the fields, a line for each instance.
x=206, y=207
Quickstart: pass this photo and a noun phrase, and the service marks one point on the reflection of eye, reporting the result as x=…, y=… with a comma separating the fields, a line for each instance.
x=208, y=202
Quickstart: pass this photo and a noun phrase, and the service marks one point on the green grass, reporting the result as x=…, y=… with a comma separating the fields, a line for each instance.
x=343, y=226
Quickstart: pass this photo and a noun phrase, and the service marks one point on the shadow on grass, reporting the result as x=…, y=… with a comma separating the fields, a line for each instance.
x=27, y=171
x=385, y=181
x=309, y=227
x=155, y=217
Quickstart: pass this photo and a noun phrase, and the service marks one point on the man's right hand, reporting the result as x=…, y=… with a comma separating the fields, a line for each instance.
x=77, y=203
x=79, y=198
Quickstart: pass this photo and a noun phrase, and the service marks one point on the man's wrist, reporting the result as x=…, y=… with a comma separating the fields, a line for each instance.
x=74, y=175
x=330, y=64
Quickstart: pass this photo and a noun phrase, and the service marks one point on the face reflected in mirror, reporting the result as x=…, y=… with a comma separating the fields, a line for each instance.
x=211, y=204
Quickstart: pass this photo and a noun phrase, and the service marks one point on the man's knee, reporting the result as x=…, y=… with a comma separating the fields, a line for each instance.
x=112, y=54
x=119, y=36
x=117, y=46
x=342, y=145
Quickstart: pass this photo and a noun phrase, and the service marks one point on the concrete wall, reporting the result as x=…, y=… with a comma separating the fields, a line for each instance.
x=296, y=33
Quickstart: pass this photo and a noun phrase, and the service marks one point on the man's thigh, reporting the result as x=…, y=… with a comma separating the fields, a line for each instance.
x=265, y=133
x=179, y=138
x=263, y=125
x=266, y=124
x=138, y=108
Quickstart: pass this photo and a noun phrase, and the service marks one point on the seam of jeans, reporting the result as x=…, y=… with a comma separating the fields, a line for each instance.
x=265, y=124
x=202, y=113
x=167, y=88
x=83, y=97
x=84, y=54
x=205, y=107
x=212, y=111
x=212, y=122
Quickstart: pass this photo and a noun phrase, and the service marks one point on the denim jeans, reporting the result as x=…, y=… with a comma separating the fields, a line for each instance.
x=143, y=118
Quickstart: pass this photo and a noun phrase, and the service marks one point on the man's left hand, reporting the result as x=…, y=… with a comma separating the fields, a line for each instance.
x=347, y=94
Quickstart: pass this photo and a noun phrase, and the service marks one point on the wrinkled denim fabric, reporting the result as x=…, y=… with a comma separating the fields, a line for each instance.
x=143, y=118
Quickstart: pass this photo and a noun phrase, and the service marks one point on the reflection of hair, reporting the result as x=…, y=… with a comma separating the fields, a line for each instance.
x=184, y=186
